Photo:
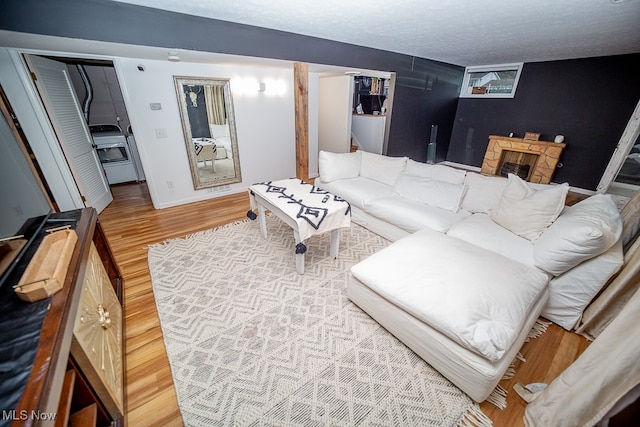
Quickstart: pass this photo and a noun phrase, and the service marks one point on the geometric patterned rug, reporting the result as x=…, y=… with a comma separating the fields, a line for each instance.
x=252, y=342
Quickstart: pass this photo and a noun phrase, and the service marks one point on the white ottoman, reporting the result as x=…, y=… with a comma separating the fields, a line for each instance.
x=463, y=309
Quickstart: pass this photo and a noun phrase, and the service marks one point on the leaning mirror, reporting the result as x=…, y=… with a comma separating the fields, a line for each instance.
x=206, y=111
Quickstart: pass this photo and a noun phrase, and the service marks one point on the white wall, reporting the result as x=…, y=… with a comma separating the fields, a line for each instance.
x=264, y=121
x=335, y=106
x=20, y=193
x=313, y=124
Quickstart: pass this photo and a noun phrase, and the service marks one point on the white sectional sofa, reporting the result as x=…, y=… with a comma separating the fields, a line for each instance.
x=475, y=259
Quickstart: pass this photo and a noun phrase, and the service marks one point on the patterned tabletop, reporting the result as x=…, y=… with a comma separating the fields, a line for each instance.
x=315, y=210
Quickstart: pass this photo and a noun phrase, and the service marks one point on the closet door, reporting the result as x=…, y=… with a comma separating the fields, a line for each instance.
x=58, y=97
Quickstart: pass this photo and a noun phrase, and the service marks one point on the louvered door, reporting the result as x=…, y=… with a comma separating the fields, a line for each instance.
x=59, y=99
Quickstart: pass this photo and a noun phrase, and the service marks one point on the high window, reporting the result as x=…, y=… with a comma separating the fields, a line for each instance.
x=491, y=81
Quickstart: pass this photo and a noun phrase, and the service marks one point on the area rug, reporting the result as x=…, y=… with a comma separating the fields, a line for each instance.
x=252, y=342
x=224, y=169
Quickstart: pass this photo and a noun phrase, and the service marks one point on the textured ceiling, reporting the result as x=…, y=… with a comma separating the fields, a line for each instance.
x=460, y=32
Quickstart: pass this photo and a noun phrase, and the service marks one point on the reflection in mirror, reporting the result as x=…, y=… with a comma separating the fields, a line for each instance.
x=206, y=111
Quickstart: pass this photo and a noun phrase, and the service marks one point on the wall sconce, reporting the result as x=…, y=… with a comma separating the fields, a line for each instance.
x=250, y=86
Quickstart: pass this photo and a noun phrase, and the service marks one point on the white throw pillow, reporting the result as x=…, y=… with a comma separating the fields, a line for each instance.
x=219, y=131
x=333, y=166
x=439, y=172
x=441, y=194
x=527, y=212
x=381, y=168
x=483, y=192
x=583, y=231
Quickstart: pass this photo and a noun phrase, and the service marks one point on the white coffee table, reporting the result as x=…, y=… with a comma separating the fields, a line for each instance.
x=307, y=209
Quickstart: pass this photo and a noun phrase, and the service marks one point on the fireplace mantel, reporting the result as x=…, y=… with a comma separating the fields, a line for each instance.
x=545, y=156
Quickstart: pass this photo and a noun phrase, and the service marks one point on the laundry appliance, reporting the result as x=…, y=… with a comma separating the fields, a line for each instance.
x=114, y=153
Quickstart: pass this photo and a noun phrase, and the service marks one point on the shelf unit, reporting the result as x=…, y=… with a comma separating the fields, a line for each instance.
x=370, y=92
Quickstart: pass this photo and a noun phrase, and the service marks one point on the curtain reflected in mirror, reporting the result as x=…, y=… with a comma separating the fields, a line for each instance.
x=208, y=123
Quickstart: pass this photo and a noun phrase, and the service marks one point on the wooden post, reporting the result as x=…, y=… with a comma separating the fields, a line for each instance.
x=301, y=99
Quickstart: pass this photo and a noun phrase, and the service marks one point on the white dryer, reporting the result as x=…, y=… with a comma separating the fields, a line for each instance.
x=114, y=153
x=133, y=147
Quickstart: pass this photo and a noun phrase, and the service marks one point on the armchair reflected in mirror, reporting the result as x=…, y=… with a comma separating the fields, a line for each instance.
x=208, y=123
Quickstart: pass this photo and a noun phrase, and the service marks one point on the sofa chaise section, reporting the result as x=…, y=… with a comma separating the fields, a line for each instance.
x=463, y=310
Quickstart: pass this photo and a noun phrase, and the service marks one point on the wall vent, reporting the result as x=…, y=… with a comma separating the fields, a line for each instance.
x=220, y=188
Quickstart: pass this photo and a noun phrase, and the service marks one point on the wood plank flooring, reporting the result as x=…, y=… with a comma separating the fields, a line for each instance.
x=131, y=224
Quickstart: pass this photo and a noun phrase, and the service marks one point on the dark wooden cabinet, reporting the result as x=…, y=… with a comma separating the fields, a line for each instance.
x=64, y=381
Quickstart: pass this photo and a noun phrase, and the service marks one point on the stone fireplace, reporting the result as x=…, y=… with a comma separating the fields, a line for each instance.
x=531, y=160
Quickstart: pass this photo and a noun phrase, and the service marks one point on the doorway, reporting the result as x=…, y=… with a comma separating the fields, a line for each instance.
x=627, y=181
x=355, y=110
x=369, y=119
x=622, y=176
x=100, y=113
x=96, y=86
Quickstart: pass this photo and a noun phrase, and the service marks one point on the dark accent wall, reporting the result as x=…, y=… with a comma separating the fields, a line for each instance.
x=198, y=119
x=589, y=101
x=421, y=109
x=426, y=90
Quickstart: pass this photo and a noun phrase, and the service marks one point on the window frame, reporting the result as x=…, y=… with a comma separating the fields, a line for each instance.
x=517, y=66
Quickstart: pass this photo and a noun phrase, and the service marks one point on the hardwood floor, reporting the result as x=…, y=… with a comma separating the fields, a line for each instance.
x=131, y=223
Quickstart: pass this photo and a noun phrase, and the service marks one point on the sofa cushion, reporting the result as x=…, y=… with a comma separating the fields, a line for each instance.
x=412, y=216
x=483, y=192
x=441, y=194
x=582, y=231
x=356, y=191
x=482, y=306
x=219, y=131
x=481, y=231
x=528, y=212
x=333, y=166
x=381, y=168
x=439, y=172
x=571, y=292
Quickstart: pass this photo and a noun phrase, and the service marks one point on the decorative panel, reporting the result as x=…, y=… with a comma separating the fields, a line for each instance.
x=97, y=335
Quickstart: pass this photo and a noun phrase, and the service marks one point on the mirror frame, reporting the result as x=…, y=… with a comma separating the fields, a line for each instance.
x=179, y=81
